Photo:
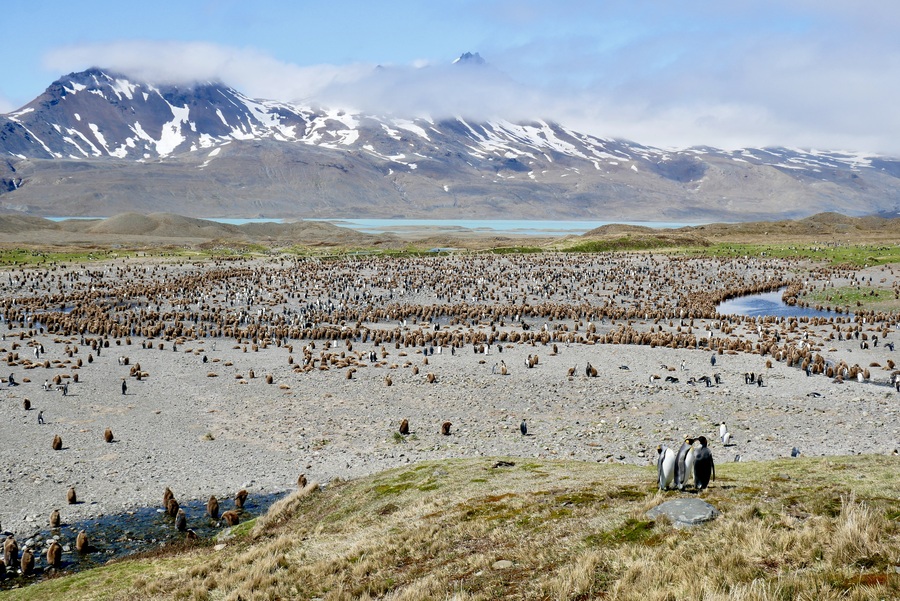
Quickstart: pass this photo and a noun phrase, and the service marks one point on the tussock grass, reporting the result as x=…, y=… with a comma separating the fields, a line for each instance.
x=799, y=529
x=632, y=243
x=853, y=255
x=851, y=296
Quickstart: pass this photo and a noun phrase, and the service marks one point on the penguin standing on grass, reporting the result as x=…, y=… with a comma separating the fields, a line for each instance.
x=704, y=467
x=680, y=468
x=689, y=460
x=665, y=466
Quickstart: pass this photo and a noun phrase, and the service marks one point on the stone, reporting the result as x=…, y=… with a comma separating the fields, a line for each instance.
x=685, y=512
x=502, y=564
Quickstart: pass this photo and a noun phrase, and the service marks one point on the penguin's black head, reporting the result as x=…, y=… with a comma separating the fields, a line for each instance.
x=703, y=441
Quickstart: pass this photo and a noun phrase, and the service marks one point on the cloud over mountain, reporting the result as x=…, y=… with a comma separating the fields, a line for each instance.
x=251, y=71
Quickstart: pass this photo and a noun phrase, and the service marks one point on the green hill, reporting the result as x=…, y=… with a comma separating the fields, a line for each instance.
x=824, y=528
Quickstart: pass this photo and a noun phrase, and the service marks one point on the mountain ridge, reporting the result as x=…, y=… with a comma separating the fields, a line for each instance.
x=96, y=143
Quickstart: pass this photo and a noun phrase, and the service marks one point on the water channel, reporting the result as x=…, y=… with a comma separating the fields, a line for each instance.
x=770, y=304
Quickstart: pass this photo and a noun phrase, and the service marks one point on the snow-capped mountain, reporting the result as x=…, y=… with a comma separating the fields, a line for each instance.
x=97, y=143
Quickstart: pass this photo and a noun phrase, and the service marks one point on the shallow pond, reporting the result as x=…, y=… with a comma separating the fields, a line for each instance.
x=770, y=304
x=116, y=536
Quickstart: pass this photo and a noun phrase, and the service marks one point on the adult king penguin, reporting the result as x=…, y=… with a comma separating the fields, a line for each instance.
x=665, y=466
x=703, y=465
x=680, y=458
x=689, y=460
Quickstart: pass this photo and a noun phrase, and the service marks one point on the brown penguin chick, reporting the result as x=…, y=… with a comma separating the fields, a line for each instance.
x=27, y=563
x=108, y=435
x=71, y=497
x=191, y=535
x=54, y=555
x=81, y=542
x=181, y=521
x=54, y=518
x=301, y=481
x=172, y=507
x=26, y=404
x=10, y=551
x=56, y=445
x=240, y=498
x=231, y=518
x=404, y=427
x=167, y=494
x=445, y=428
x=212, y=507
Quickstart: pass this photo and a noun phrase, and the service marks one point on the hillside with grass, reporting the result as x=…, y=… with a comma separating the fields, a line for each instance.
x=808, y=528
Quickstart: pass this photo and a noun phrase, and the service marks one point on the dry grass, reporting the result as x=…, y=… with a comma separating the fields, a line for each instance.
x=800, y=529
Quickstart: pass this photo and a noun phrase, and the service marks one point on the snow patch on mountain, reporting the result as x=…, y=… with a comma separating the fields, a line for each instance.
x=171, y=136
x=123, y=87
x=411, y=126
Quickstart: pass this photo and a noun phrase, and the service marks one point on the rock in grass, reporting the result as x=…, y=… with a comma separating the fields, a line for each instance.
x=685, y=512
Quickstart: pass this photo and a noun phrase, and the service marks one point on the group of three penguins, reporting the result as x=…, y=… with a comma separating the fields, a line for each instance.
x=675, y=469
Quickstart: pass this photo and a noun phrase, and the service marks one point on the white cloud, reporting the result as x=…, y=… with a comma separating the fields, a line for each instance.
x=730, y=74
x=437, y=90
x=248, y=70
x=815, y=73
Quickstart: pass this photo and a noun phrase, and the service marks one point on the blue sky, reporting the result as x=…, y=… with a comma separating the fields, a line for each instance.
x=805, y=73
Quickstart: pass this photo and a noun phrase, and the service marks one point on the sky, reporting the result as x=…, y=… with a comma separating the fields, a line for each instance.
x=812, y=74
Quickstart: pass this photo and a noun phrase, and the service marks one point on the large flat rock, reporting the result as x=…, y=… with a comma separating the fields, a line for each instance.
x=685, y=512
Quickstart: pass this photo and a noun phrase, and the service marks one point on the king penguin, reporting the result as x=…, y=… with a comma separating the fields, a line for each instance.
x=689, y=465
x=523, y=428
x=703, y=465
x=665, y=466
x=680, y=473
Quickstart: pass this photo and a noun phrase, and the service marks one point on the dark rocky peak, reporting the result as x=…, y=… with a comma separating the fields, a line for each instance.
x=469, y=58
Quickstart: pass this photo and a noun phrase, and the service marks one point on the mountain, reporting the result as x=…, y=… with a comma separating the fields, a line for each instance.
x=97, y=143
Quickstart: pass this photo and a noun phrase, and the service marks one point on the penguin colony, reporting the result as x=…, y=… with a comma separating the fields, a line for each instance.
x=484, y=302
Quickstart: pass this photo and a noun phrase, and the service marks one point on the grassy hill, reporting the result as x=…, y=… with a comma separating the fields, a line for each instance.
x=824, y=528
